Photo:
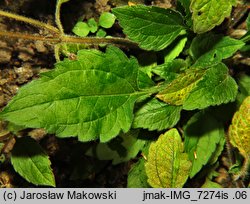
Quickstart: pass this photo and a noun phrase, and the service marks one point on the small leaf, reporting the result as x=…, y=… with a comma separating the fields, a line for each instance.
x=120, y=149
x=210, y=184
x=244, y=88
x=30, y=161
x=92, y=25
x=202, y=134
x=209, y=13
x=172, y=52
x=219, y=148
x=216, y=87
x=170, y=70
x=178, y=90
x=206, y=53
x=107, y=20
x=153, y=28
x=167, y=165
x=239, y=131
x=137, y=177
x=101, y=33
x=81, y=29
x=91, y=97
x=156, y=115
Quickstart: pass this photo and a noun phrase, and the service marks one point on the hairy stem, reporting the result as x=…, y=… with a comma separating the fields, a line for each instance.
x=58, y=16
x=30, y=21
x=70, y=39
x=24, y=36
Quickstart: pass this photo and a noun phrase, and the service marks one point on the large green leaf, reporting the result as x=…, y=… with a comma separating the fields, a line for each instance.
x=137, y=177
x=202, y=134
x=206, y=53
x=156, y=115
x=153, y=28
x=120, y=149
x=167, y=166
x=207, y=14
x=216, y=87
x=30, y=161
x=92, y=97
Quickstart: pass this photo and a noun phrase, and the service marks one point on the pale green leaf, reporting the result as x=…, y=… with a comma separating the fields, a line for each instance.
x=120, y=149
x=93, y=26
x=207, y=14
x=210, y=184
x=153, y=28
x=81, y=29
x=202, y=134
x=173, y=51
x=91, y=97
x=239, y=131
x=101, y=33
x=31, y=162
x=167, y=166
x=215, y=88
x=156, y=115
x=209, y=49
x=107, y=20
x=137, y=177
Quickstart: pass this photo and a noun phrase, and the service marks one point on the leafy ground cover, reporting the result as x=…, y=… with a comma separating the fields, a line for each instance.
x=138, y=96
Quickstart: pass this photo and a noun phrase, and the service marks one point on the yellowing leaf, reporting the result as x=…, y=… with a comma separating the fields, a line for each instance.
x=178, y=90
x=207, y=14
x=167, y=165
x=239, y=131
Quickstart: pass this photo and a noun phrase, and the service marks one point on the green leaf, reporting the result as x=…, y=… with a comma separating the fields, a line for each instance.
x=172, y=52
x=30, y=161
x=170, y=70
x=91, y=97
x=202, y=134
x=81, y=29
x=137, y=177
x=206, y=53
x=210, y=184
x=207, y=14
x=167, y=166
x=107, y=20
x=244, y=88
x=178, y=90
x=216, y=87
x=120, y=149
x=93, y=26
x=199, y=88
x=156, y=115
x=101, y=33
x=219, y=148
x=153, y=28
x=239, y=131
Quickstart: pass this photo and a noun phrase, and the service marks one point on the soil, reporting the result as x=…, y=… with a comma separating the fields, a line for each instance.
x=21, y=61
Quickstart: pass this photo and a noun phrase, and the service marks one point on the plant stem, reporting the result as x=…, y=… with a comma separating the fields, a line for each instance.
x=24, y=36
x=30, y=21
x=97, y=41
x=58, y=16
x=70, y=39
